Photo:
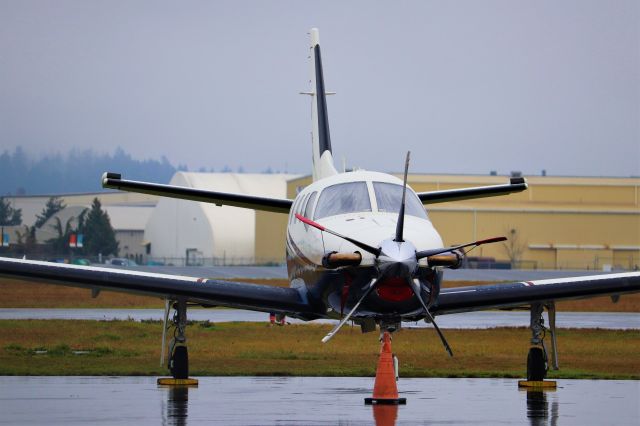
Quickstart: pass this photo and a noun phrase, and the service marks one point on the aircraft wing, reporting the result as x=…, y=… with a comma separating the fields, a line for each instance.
x=277, y=205
x=513, y=295
x=515, y=184
x=292, y=302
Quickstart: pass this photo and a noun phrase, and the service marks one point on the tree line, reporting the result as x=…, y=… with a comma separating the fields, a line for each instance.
x=77, y=171
x=80, y=171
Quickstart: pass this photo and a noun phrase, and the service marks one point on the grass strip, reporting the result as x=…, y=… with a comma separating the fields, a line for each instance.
x=64, y=347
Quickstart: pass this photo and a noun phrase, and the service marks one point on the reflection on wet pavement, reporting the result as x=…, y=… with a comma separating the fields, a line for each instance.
x=385, y=415
x=311, y=401
x=177, y=408
x=538, y=411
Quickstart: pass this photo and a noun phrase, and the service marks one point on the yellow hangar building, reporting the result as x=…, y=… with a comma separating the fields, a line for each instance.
x=558, y=223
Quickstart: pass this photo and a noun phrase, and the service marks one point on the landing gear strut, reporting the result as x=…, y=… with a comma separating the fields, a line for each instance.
x=537, y=360
x=178, y=353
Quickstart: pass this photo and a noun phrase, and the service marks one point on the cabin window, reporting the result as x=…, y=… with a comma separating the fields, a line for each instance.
x=295, y=209
x=303, y=204
x=300, y=207
x=343, y=198
x=309, y=208
x=389, y=197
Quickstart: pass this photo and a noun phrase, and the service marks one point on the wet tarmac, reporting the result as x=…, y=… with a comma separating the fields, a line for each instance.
x=312, y=401
x=469, y=320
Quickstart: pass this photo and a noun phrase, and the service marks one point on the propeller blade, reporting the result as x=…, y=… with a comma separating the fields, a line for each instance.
x=426, y=253
x=338, y=326
x=363, y=246
x=444, y=341
x=416, y=290
x=400, y=224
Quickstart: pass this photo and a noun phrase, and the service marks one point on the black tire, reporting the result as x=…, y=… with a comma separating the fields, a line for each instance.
x=179, y=365
x=536, y=365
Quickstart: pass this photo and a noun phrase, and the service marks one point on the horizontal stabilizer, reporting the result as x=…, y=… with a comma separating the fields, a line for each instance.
x=276, y=205
x=515, y=185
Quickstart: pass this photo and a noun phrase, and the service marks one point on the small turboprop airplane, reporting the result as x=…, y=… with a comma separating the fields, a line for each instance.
x=360, y=247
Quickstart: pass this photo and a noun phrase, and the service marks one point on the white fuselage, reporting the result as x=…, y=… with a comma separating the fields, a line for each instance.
x=363, y=206
x=372, y=225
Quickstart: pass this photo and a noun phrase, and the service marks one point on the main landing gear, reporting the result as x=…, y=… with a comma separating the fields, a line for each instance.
x=537, y=359
x=178, y=353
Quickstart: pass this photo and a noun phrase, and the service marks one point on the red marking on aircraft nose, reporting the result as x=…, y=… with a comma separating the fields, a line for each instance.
x=394, y=290
x=310, y=222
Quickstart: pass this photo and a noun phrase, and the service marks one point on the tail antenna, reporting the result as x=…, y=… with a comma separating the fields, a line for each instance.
x=400, y=224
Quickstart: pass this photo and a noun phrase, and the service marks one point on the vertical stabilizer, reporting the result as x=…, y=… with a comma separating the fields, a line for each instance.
x=320, y=136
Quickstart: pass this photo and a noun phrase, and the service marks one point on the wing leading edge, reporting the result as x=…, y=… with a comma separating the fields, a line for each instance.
x=290, y=301
x=513, y=295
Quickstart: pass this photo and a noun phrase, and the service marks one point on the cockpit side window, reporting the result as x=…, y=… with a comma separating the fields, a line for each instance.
x=302, y=205
x=308, y=208
x=296, y=208
x=389, y=197
x=343, y=198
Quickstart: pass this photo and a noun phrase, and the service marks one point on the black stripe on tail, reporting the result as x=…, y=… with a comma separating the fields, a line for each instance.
x=323, y=119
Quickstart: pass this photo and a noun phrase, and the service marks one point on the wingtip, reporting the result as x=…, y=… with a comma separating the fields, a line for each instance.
x=109, y=175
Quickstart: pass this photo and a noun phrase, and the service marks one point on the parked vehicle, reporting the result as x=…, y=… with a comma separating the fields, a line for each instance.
x=120, y=261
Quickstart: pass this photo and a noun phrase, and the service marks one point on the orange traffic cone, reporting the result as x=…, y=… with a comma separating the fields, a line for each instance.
x=385, y=390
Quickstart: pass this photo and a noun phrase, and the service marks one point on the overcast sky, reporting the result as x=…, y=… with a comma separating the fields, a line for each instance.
x=467, y=86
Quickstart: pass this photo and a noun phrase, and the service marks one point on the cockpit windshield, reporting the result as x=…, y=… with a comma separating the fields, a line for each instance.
x=353, y=197
x=389, y=197
x=343, y=198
